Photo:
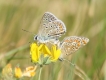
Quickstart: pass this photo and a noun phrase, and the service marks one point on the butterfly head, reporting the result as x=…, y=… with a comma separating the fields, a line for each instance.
x=40, y=39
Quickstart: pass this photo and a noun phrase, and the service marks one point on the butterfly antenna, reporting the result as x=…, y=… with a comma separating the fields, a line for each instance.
x=69, y=62
x=28, y=31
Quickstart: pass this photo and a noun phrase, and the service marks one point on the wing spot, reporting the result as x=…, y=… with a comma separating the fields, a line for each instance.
x=46, y=27
x=73, y=48
x=51, y=26
x=66, y=53
x=84, y=42
x=48, y=35
x=78, y=44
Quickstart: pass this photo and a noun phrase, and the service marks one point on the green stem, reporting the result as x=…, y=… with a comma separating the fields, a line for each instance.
x=40, y=73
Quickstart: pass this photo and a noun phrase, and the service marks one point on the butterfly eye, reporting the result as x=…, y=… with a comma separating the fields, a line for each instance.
x=36, y=37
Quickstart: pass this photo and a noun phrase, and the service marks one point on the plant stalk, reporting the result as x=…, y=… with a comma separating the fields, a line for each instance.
x=40, y=73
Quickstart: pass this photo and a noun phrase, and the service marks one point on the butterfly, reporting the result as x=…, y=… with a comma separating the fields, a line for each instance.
x=71, y=44
x=51, y=28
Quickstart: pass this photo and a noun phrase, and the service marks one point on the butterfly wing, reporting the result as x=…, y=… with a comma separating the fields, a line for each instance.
x=71, y=44
x=51, y=28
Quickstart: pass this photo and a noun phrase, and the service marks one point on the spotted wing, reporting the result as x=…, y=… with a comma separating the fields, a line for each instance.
x=51, y=27
x=71, y=44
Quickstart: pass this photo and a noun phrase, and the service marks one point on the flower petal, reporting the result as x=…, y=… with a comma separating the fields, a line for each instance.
x=7, y=70
x=55, y=53
x=35, y=54
x=46, y=50
x=30, y=71
x=18, y=72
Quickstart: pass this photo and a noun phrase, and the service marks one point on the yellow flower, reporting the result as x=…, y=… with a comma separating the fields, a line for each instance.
x=30, y=71
x=18, y=72
x=8, y=73
x=43, y=55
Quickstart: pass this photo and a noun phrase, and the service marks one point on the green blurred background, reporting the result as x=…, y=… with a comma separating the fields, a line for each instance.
x=82, y=18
